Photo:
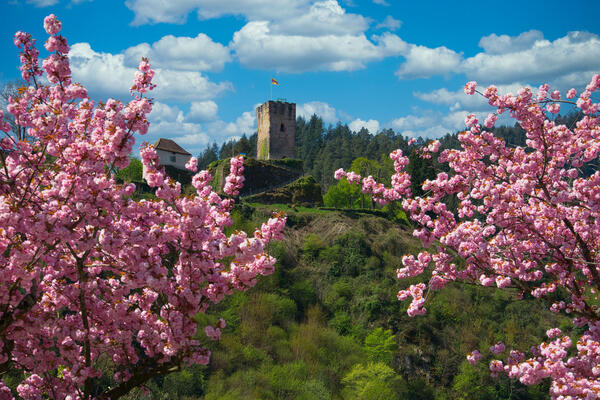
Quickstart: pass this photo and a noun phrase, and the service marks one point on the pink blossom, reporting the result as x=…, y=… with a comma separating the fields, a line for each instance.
x=94, y=273
x=52, y=25
x=470, y=120
x=212, y=333
x=518, y=224
x=552, y=333
x=490, y=120
x=192, y=164
x=434, y=146
x=571, y=93
x=470, y=87
x=498, y=348
x=473, y=357
x=495, y=367
x=553, y=108
x=339, y=174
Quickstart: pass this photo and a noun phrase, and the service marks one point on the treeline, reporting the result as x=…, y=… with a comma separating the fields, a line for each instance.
x=323, y=149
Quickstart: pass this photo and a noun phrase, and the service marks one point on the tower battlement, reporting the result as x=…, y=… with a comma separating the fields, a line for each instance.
x=276, y=122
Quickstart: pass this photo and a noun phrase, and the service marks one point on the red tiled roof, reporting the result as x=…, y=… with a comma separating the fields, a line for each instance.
x=169, y=145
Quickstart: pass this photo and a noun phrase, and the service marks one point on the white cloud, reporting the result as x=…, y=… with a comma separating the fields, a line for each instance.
x=203, y=111
x=193, y=140
x=106, y=74
x=183, y=53
x=411, y=122
x=325, y=111
x=566, y=62
x=323, y=18
x=177, y=128
x=176, y=11
x=42, y=3
x=244, y=124
x=184, y=86
x=381, y=2
x=390, y=23
x=164, y=112
x=456, y=119
x=459, y=100
x=435, y=124
x=422, y=123
x=100, y=73
x=432, y=124
x=371, y=125
x=423, y=62
x=170, y=122
x=257, y=46
x=543, y=60
x=574, y=79
x=494, y=44
x=432, y=132
x=294, y=36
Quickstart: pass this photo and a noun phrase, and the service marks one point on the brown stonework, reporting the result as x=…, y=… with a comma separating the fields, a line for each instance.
x=276, y=122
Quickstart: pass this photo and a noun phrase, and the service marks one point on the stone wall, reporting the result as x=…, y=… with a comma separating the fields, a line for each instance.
x=276, y=122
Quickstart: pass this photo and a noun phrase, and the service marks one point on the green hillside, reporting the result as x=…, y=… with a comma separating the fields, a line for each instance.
x=327, y=324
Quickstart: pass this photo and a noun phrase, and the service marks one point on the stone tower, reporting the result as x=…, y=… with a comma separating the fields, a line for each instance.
x=276, y=122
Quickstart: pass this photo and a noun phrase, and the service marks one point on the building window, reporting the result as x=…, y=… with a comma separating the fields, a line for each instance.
x=282, y=129
x=173, y=158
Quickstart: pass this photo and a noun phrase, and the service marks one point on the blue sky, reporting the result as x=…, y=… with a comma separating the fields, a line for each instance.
x=372, y=63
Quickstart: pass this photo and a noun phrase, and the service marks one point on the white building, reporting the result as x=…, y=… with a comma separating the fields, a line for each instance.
x=170, y=153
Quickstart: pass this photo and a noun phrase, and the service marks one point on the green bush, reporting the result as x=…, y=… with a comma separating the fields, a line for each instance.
x=373, y=381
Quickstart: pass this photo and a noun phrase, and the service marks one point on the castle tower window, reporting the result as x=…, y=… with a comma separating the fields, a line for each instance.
x=282, y=129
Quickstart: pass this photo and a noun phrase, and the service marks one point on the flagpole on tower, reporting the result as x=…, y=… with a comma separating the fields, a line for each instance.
x=273, y=82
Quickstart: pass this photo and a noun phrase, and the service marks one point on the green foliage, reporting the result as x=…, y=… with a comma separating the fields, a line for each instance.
x=342, y=195
x=327, y=324
x=209, y=155
x=303, y=191
x=133, y=172
x=303, y=293
x=290, y=163
x=373, y=381
x=188, y=382
x=313, y=245
x=380, y=345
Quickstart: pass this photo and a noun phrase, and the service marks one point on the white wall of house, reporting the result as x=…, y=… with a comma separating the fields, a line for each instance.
x=177, y=160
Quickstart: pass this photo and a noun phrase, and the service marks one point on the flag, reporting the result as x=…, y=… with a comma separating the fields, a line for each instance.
x=274, y=82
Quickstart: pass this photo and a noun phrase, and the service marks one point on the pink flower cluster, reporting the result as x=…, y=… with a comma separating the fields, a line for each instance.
x=527, y=219
x=143, y=78
x=87, y=272
x=235, y=179
x=473, y=357
x=215, y=333
x=192, y=164
x=498, y=348
x=416, y=305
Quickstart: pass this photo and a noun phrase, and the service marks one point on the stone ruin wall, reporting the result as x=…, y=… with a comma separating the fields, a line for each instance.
x=276, y=122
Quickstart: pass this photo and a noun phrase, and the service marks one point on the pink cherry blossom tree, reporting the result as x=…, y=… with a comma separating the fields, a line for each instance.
x=528, y=220
x=87, y=273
